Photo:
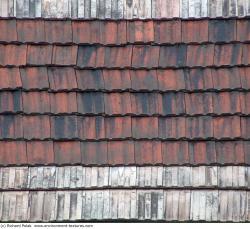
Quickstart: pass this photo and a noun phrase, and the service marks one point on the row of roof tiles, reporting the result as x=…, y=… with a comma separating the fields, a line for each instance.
x=138, y=56
x=123, y=32
x=125, y=103
x=69, y=79
x=128, y=9
x=98, y=127
x=124, y=152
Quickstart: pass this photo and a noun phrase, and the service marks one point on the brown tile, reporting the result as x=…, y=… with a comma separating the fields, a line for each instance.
x=226, y=78
x=36, y=102
x=244, y=75
x=64, y=127
x=39, y=54
x=226, y=103
x=244, y=125
x=167, y=31
x=36, y=127
x=144, y=80
x=245, y=55
x=144, y=103
x=114, y=57
x=90, y=79
x=94, y=153
x=227, y=127
x=40, y=152
x=64, y=55
x=87, y=56
x=202, y=152
x=10, y=101
x=194, y=31
x=11, y=126
x=13, y=55
x=171, y=80
x=243, y=30
x=245, y=102
x=199, y=103
x=171, y=103
x=92, y=128
x=67, y=152
x=117, y=103
x=246, y=147
x=175, y=153
x=10, y=78
x=148, y=152
x=144, y=127
x=29, y=30
x=230, y=152
x=8, y=30
x=13, y=153
x=63, y=102
x=199, y=127
x=222, y=30
x=90, y=102
x=34, y=78
x=173, y=56
x=227, y=54
x=86, y=32
x=199, y=79
x=121, y=153
x=118, y=127
x=172, y=128
x=113, y=32
x=117, y=79
x=62, y=78
x=200, y=55
x=58, y=31
x=140, y=31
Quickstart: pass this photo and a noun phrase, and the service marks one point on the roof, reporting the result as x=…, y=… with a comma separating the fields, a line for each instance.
x=116, y=120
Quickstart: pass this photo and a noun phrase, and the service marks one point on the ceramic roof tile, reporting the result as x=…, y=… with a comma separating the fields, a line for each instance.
x=245, y=54
x=10, y=101
x=90, y=79
x=62, y=78
x=140, y=31
x=244, y=75
x=175, y=153
x=30, y=31
x=10, y=78
x=144, y=80
x=11, y=127
x=40, y=153
x=63, y=127
x=121, y=152
x=148, y=152
x=244, y=124
x=245, y=103
x=67, y=152
x=64, y=55
x=34, y=78
x=8, y=30
x=36, y=102
x=167, y=31
x=39, y=54
x=194, y=31
x=13, y=153
x=222, y=30
x=144, y=127
x=13, y=55
x=94, y=153
x=243, y=30
x=58, y=31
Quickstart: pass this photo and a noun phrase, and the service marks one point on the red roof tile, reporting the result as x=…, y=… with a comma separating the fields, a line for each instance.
x=10, y=101
x=94, y=153
x=40, y=152
x=144, y=127
x=8, y=30
x=167, y=31
x=11, y=127
x=121, y=153
x=64, y=55
x=13, y=153
x=243, y=30
x=67, y=153
x=12, y=55
x=31, y=31
x=90, y=79
x=175, y=153
x=194, y=31
x=10, y=78
x=39, y=54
